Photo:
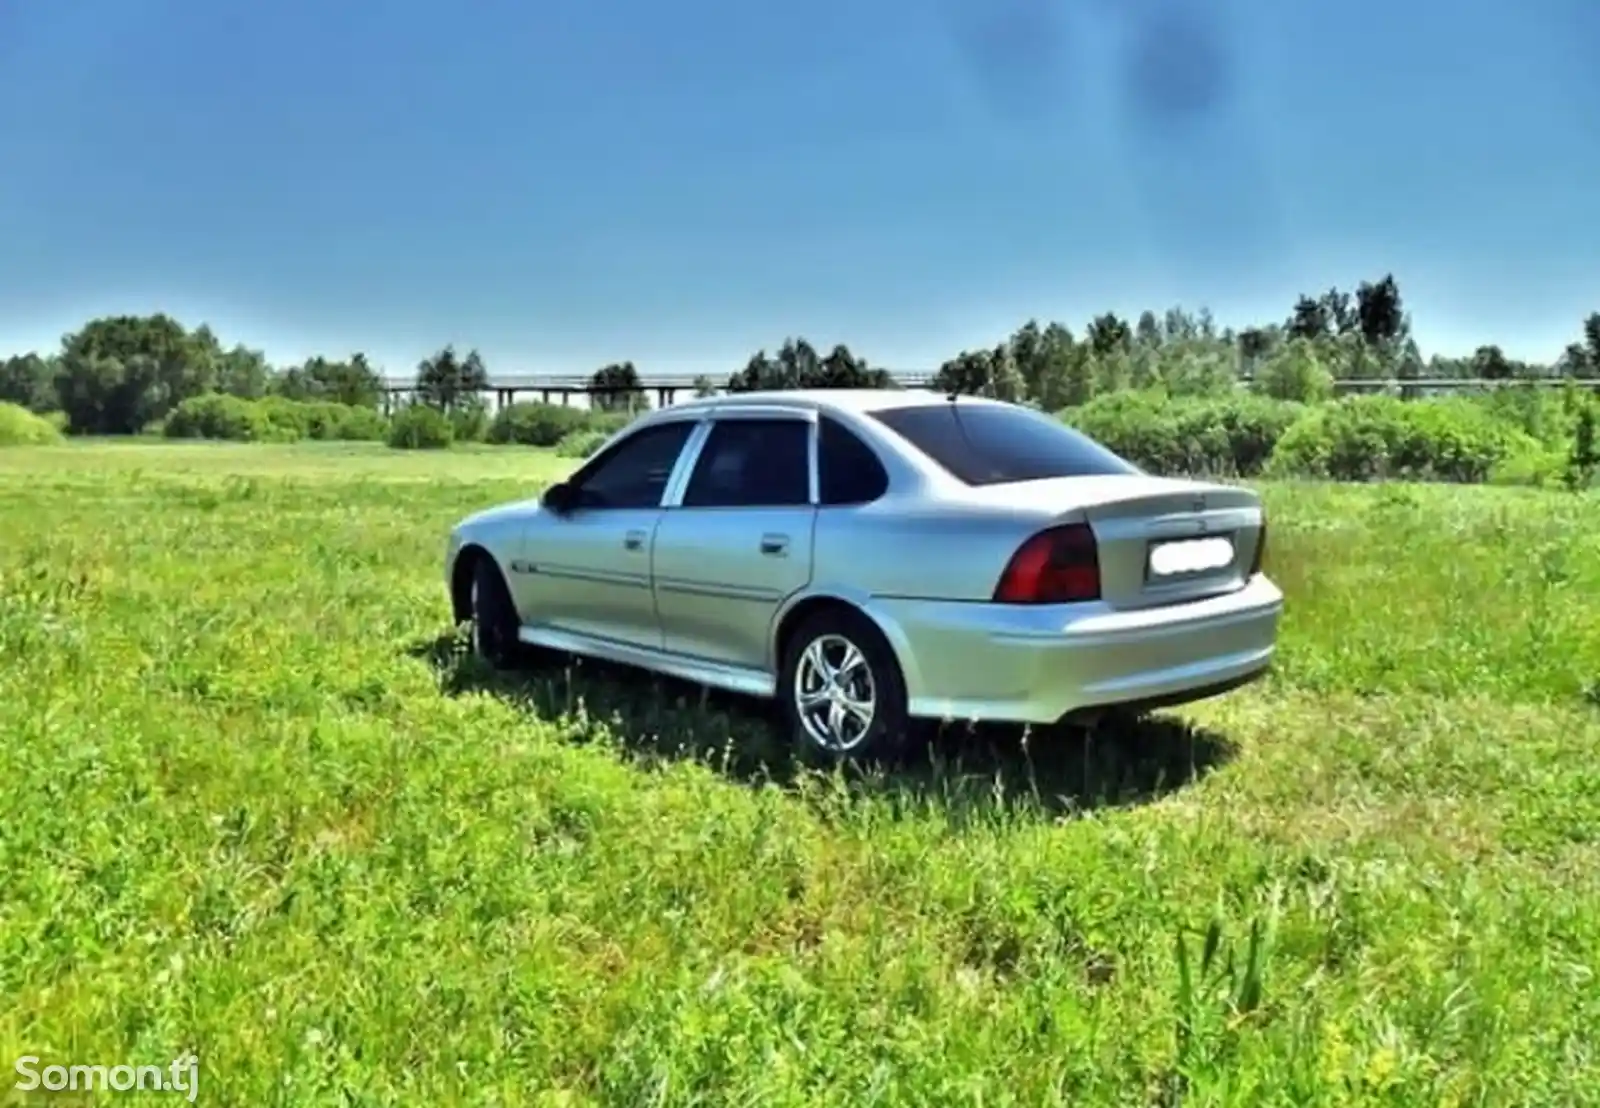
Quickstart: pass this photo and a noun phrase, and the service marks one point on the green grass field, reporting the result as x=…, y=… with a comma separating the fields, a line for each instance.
x=258, y=804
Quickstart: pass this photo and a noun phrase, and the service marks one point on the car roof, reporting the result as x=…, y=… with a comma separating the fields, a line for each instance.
x=854, y=401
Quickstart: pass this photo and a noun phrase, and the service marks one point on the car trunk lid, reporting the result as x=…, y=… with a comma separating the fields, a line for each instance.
x=1180, y=542
x=1160, y=540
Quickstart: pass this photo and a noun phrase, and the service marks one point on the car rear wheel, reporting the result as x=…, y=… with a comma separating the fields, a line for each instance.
x=842, y=693
x=494, y=617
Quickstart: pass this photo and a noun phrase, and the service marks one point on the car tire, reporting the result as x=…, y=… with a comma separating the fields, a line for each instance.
x=494, y=617
x=842, y=636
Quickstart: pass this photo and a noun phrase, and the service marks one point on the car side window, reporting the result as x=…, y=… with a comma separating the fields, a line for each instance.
x=634, y=473
x=752, y=463
x=848, y=472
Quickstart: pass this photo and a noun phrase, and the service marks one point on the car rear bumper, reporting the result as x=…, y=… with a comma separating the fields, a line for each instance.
x=1027, y=664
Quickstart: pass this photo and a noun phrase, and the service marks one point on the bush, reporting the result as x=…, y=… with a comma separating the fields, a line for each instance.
x=1584, y=460
x=1221, y=436
x=609, y=422
x=346, y=422
x=216, y=416
x=469, y=422
x=1542, y=468
x=536, y=424
x=1369, y=438
x=420, y=427
x=1549, y=415
x=582, y=444
x=323, y=420
x=20, y=427
x=1294, y=372
x=271, y=419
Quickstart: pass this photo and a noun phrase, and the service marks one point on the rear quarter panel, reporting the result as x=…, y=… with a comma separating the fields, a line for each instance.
x=918, y=549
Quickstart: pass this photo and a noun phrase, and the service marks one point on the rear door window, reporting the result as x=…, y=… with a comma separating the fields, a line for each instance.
x=752, y=463
x=993, y=444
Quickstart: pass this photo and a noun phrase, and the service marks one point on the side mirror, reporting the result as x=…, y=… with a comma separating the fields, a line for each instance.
x=559, y=498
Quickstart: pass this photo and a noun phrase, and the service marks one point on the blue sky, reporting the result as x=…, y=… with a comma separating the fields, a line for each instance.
x=567, y=183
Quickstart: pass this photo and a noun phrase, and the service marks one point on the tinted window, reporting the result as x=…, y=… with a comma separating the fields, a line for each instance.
x=752, y=463
x=634, y=473
x=848, y=472
x=990, y=444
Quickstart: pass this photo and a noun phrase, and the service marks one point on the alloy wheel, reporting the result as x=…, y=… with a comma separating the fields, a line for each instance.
x=835, y=695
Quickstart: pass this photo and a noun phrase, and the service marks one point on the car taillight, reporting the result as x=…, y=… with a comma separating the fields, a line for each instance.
x=1058, y=566
x=1261, y=547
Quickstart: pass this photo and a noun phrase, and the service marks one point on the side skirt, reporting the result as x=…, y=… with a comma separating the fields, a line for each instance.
x=701, y=671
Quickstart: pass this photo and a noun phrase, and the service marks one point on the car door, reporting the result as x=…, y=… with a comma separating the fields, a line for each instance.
x=587, y=571
x=737, y=543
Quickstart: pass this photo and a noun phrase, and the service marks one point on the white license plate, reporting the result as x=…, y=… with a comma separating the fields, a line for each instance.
x=1190, y=556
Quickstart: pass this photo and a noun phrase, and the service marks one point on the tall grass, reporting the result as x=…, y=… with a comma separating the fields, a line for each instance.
x=260, y=804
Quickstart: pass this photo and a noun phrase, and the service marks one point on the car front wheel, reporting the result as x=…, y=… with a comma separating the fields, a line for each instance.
x=841, y=689
x=494, y=617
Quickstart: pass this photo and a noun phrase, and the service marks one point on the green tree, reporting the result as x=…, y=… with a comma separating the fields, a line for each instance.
x=118, y=373
x=617, y=388
x=1255, y=344
x=1309, y=319
x=1005, y=379
x=1591, y=343
x=1574, y=361
x=1107, y=333
x=1028, y=351
x=1060, y=375
x=244, y=373
x=1179, y=324
x=1349, y=356
x=795, y=364
x=1294, y=372
x=798, y=366
x=358, y=384
x=760, y=374
x=1408, y=366
x=800, y=362
x=353, y=381
x=843, y=370
x=29, y=380
x=1338, y=312
x=1585, y=457
x=1490, y=364
x=991, y=373
x=103, y=395
x=447, y=381
x=1076, y=381
x=1379, y=314
x=1114, y=371
x=1195, y=367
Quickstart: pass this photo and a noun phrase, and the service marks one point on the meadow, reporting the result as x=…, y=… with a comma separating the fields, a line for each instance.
x=260, y=804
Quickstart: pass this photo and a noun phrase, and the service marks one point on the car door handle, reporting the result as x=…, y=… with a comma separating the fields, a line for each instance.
x=775, y=544
x=634, y=540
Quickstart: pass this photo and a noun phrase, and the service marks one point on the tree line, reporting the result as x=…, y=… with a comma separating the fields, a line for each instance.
x=119, y=374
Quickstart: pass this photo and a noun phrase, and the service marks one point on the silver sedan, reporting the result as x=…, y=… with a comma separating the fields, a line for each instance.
x=874, y=558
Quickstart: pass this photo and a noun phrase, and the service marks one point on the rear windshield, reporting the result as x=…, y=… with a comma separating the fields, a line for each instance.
x=991, y=444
